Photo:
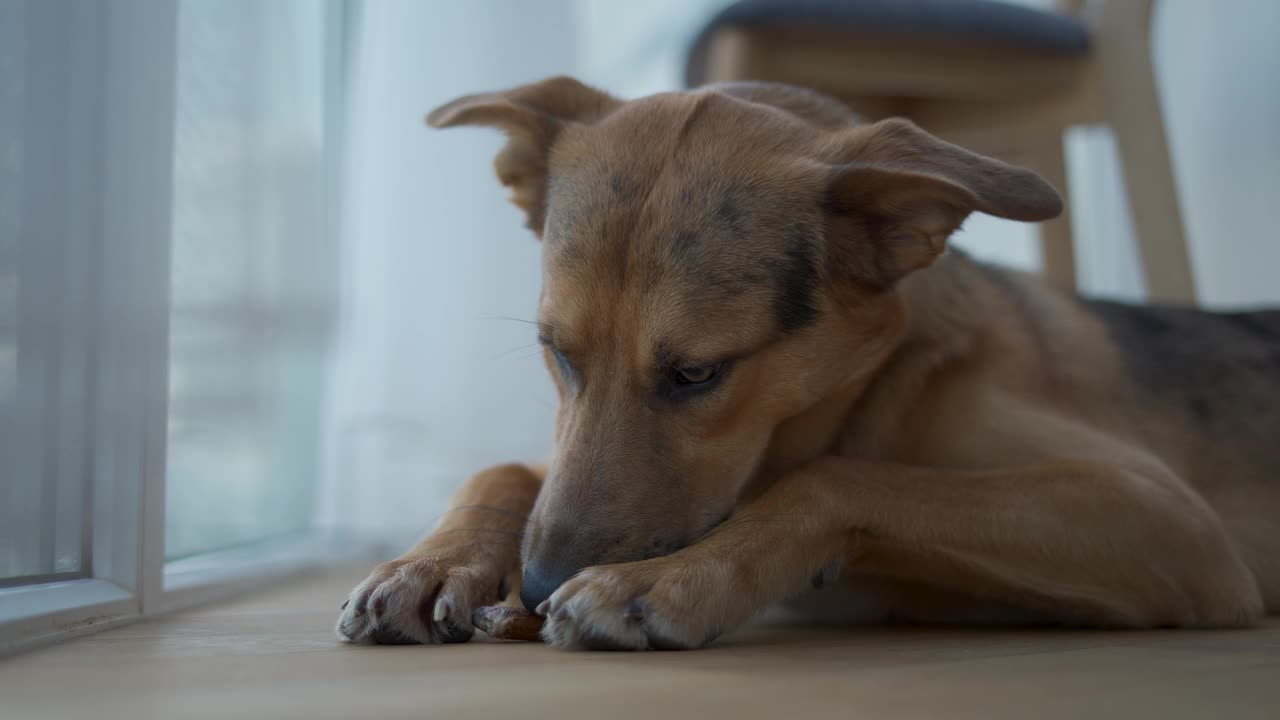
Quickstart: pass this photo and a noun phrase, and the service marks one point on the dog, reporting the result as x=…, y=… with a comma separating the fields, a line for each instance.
x=778, y=387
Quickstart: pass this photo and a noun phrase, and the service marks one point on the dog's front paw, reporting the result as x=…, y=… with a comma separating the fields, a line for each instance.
x=658, y=604
x=417, y=600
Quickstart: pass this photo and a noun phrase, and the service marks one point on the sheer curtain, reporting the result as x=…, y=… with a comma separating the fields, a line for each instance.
x=435, y=374
x=254, y=269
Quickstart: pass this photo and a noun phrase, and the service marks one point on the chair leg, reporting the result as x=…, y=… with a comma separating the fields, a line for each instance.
x=1056, y=238
x=728, y=57
x=1133, y=111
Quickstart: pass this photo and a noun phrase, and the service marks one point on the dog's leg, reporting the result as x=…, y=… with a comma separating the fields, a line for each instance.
x=1088, y=543
x=471, y=558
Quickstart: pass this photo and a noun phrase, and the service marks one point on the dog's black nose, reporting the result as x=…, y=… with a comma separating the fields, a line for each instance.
x=537, y=585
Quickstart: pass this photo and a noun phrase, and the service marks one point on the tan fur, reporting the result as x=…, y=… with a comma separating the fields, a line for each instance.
x=955, y=442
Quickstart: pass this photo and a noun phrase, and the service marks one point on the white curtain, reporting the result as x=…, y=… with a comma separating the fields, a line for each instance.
x=254, y=268
x=433, y=380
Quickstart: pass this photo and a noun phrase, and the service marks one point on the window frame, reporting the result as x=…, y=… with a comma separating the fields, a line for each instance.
x=121, y=82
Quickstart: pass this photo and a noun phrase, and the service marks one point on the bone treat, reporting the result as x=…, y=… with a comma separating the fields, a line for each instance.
x=507, y=623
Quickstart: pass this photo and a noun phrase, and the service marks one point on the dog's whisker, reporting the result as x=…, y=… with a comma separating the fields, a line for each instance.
x=518, y=348
x=534, y=354
x=491, y=316
x=537, y=323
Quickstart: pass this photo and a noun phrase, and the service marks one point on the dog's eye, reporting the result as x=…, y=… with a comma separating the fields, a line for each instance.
x=685, y=383
x=566, y=368
x=695, y=375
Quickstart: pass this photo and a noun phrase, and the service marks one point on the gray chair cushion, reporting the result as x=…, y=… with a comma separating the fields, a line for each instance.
x=976, y=21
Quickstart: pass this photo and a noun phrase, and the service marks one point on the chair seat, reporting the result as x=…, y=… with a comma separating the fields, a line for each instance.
x=977, y=22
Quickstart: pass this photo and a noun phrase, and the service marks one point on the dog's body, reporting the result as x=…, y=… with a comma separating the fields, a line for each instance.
x=750, y=315
x=1016, y=372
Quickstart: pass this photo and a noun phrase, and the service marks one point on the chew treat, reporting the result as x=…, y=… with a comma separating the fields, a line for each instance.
x=507, y=623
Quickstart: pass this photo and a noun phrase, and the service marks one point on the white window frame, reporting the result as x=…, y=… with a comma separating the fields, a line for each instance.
x=122, y=98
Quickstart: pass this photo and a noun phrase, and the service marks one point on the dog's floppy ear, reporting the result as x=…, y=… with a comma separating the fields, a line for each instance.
x=532, y=116
x=905, y=192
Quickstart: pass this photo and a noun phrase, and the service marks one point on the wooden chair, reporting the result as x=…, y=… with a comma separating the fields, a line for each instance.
x=1002, y=79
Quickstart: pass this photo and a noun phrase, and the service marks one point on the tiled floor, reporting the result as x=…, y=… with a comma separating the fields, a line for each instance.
x=274, y=655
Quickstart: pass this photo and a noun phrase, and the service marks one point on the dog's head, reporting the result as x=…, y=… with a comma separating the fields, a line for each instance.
x=716, y=263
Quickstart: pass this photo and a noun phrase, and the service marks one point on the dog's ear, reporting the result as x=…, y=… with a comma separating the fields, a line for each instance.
x=532, y=116
x=900, y=193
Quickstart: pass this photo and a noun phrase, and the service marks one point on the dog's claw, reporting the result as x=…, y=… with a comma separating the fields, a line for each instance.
x=426, y=600
x=542, y=608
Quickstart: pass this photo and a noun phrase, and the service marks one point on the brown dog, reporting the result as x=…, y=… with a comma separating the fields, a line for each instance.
x=771, y=373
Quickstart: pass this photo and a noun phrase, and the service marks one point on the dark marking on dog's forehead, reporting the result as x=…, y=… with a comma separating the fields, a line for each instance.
x=585, y=217
x=683, y=246
x=796, y=281
x=729, y=211
x=779, y=269
x=751, y=243
x=719, y=243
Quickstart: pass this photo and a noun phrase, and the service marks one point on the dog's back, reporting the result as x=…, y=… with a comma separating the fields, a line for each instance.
x=1217, y=373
